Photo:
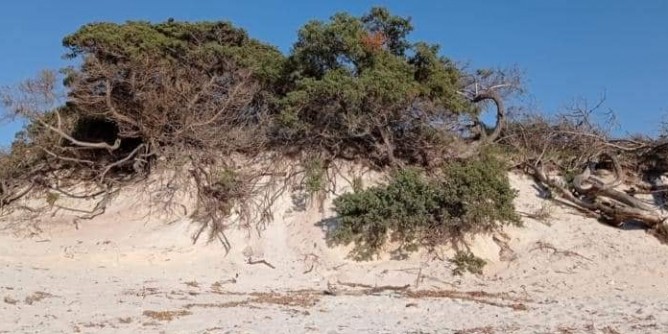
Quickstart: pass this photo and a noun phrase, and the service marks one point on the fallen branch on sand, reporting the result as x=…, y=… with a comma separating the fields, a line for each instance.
x=250, y=261
x=592, y=195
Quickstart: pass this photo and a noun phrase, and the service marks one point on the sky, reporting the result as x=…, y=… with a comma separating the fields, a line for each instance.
x=566, y=49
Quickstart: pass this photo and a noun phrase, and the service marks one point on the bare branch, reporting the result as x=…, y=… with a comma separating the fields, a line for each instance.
x=61, y=133
x=88, y=162
x=120, y=162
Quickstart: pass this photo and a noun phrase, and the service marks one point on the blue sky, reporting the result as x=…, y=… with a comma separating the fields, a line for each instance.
x=567, y=49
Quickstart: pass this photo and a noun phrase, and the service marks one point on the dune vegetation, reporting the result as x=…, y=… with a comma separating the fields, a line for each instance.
x=201, y=97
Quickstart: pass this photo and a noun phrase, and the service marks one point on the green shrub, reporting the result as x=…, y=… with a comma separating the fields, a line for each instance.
x=419, y=210
x=466, y=261
x=481, y=188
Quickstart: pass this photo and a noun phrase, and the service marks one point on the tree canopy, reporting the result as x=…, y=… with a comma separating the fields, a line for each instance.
x=351, y=87
x=358, y=83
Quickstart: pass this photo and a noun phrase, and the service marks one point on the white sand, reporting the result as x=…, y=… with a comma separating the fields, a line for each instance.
x=129, y=271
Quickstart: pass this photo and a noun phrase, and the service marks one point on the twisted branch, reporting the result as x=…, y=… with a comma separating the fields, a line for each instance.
x=484, y=138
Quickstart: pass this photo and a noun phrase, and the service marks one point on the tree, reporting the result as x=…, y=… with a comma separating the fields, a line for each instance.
x=172, y=83
x=358, y=87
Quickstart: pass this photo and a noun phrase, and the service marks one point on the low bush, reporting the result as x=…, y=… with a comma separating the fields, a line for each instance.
x=415, y=209
x=467, y=262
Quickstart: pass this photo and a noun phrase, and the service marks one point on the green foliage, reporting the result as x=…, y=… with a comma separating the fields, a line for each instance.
x=227, y=180
x=352, y=87
x=367, y=217
x=203, y=84
x=467, y=262
x=359, y=82
x=322, y=47
x=418, y=210
x=483, y=193
x=206, y=45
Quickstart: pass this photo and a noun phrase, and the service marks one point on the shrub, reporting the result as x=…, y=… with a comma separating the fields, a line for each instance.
x=416, y=210
x=467, y=261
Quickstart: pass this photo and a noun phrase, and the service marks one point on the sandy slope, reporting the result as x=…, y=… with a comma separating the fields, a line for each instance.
x=129, y=271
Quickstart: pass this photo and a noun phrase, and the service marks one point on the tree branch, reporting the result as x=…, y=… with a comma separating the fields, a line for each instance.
x=101, y=145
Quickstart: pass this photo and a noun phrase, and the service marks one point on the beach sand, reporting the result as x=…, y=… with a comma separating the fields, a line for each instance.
x=134, y=270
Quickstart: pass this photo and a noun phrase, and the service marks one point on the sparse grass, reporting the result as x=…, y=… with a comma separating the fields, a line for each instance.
x=357, y=184
x=467, y=262
x=309, y=298
x=227, y=179
x=51, y=198
x=544, y=213
x=314, y=178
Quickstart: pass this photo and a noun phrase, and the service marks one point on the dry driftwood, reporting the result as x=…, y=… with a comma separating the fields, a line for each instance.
x=590, y=193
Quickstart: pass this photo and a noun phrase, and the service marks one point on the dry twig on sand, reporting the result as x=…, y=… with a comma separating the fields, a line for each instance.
x=251, y=261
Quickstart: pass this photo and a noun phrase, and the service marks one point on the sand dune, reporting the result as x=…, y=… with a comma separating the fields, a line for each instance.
x=135, y=270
